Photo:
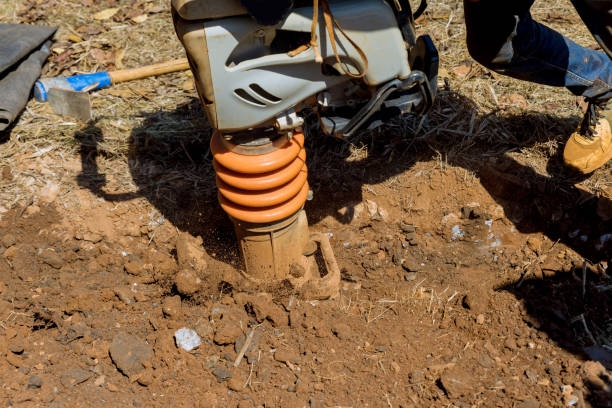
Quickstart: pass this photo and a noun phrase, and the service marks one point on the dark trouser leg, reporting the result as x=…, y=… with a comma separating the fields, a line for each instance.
x=597, y=15
x=507, y=40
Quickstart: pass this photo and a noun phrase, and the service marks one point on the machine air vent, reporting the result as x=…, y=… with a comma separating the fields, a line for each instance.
x=246, y=97
x=264, y=94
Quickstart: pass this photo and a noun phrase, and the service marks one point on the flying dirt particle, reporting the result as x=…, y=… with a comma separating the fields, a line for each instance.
x=190, y=253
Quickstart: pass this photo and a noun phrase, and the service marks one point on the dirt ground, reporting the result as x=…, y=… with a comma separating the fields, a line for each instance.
x=474, y=267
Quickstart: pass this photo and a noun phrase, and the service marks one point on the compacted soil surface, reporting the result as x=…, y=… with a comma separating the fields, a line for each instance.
x=444, y=302
x=474, y=267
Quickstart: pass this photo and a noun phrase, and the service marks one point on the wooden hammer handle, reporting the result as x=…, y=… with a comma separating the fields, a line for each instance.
x=150, y=70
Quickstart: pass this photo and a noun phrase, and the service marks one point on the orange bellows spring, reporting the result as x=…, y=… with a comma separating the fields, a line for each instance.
x=262, y=188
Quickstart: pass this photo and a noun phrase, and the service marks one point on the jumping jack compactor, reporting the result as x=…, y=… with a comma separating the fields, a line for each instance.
x=257, y=65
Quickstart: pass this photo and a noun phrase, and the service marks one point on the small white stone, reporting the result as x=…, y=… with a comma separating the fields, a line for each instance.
x=456, y=233
x=187, y=339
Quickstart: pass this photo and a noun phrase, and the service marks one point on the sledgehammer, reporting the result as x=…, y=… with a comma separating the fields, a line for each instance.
x=99, y=80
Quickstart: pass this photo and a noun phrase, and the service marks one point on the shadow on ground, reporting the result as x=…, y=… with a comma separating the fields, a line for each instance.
x=170, y=162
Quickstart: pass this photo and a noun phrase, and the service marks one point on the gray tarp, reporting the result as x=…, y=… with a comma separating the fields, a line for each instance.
x=23, y=51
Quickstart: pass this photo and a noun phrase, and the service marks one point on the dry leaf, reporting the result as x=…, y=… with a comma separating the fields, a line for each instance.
x=514, y=99
x=462, y=70
x=74, y=38
x=106, y=14
x=154, y=9
x=140, y=19
x=119, y=58
x=89, y=30
x=127, y=93
x=102, y=57
x=121, y=93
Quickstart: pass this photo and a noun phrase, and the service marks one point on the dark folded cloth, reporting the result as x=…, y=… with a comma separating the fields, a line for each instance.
x=23, y=51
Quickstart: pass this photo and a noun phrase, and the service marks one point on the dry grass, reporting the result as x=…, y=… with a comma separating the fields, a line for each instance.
x=155, y=126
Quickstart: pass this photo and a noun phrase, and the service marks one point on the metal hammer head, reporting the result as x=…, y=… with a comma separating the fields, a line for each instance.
x=70, y=103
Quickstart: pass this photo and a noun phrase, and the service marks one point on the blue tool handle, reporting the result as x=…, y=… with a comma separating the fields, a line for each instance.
x=73, y=83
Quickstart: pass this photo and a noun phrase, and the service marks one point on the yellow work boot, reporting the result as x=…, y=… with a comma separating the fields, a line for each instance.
x=590, y=147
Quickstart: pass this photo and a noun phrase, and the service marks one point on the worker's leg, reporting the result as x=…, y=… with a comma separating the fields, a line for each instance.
x=597, y=15
x=504, y=38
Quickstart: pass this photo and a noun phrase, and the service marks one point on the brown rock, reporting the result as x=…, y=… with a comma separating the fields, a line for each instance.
x=510, y=344
x=227, y=332
x=14, y=360
x=342, y=331
x=10, y=253
x=262, y=306
x=205, y=330
x=456, y=383
x=52, y=258
x=190, y=253
x=130, y=354
x=31, y=211
x=535, y=244
x=222, y=374
x=125, y=294
x=99, y=223
x=145, y=378
x=209, y=399
x=8, y=240
x=74, y=377
x=133, y=268
x=164, y=234
x=171, y=306
x=285, y=355
x=16, y=346
x=476, y=302
x=48, y=193
x=187, y=282
x=529, y=403
x=236, y=384
x=245, y=403
x=253, y=345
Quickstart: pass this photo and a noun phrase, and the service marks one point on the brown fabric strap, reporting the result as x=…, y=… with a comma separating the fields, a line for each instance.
x=313, y=31
x=330, y=22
